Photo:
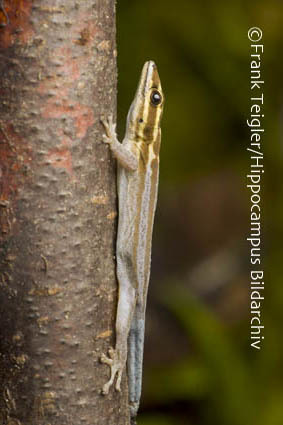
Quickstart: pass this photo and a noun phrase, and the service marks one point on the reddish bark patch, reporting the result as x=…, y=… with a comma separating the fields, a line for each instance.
x=70, y=68
x=81, y=114
x=15, y=22
x=60, y=103
x=61, y=157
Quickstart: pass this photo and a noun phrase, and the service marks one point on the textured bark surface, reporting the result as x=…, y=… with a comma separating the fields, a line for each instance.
x=57, y=213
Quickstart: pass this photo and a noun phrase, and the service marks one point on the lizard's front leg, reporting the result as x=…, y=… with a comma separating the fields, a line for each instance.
x=124, y=156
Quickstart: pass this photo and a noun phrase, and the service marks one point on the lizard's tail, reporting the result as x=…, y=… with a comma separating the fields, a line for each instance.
x=135, y=363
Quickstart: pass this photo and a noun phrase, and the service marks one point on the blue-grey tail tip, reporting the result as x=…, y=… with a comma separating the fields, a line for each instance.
x=133, y=421
x=134, y=407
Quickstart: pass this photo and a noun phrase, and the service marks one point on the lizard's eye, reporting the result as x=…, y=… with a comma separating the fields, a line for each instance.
x=155, y=98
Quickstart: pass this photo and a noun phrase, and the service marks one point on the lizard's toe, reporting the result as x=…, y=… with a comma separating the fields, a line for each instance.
x=105, y=389
x=106, y=139
x=111, y=353
x=106, y=360
x=118, y=382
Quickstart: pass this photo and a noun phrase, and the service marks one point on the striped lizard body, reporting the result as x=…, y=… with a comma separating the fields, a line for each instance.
x=137, y=182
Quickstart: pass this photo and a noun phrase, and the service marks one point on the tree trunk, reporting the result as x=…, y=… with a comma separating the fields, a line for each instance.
x=57, y=213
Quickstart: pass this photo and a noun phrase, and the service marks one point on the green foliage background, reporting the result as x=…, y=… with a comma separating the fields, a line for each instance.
x=203, y=56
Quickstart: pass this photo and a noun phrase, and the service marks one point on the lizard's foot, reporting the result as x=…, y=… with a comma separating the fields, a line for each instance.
x=116, y=367
x=110, y=130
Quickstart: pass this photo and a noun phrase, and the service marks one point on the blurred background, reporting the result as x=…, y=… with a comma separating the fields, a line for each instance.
x=199, y=366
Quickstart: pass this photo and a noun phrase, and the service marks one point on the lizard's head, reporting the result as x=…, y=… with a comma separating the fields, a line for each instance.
x=146, y=110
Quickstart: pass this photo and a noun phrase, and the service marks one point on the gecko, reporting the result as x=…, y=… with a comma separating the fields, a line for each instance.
x=137, y=185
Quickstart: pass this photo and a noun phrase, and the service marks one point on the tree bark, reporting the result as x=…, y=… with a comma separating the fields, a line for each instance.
x=57, y=213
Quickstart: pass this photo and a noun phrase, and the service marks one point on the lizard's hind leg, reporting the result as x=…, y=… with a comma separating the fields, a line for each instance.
x=126, y=305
